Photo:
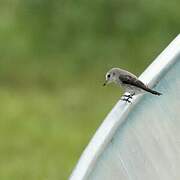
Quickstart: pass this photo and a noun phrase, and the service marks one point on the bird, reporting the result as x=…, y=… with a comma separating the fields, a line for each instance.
x=129, y=82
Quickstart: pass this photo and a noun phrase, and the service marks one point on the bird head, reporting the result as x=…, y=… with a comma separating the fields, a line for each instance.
x=110, y=76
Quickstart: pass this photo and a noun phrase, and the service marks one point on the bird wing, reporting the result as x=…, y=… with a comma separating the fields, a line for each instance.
x=127, y=79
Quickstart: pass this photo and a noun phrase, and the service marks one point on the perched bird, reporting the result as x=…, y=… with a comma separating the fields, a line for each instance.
x=129, y=82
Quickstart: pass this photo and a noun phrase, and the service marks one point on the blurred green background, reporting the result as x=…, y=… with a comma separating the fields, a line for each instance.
x=53, y=58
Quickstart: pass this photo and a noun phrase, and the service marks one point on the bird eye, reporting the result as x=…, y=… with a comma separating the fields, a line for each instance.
x=108, y=75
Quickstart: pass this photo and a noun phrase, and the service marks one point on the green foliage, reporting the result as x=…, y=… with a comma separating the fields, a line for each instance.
x=54, y=55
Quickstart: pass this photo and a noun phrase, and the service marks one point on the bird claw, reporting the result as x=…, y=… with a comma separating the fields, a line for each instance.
x=126, y=100
x=128, y=96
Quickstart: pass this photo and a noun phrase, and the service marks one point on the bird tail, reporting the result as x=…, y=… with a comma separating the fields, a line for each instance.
x=154, y=92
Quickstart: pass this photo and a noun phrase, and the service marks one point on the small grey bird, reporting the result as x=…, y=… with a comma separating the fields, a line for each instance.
x=129, y=82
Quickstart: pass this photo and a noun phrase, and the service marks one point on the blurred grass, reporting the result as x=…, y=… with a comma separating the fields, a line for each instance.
x=42, y=134
x=54, y=55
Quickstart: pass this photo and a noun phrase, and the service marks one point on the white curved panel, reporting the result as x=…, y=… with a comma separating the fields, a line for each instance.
x=140, y=140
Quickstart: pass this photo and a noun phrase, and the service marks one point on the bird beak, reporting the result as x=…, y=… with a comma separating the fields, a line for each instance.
x=105, y=83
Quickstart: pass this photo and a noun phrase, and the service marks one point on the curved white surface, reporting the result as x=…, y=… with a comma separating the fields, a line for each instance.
x=140, y=140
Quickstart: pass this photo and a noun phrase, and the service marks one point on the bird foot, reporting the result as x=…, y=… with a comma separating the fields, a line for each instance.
x=127, y=98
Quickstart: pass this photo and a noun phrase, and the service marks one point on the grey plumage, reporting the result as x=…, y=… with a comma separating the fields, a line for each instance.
x=128, y=81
